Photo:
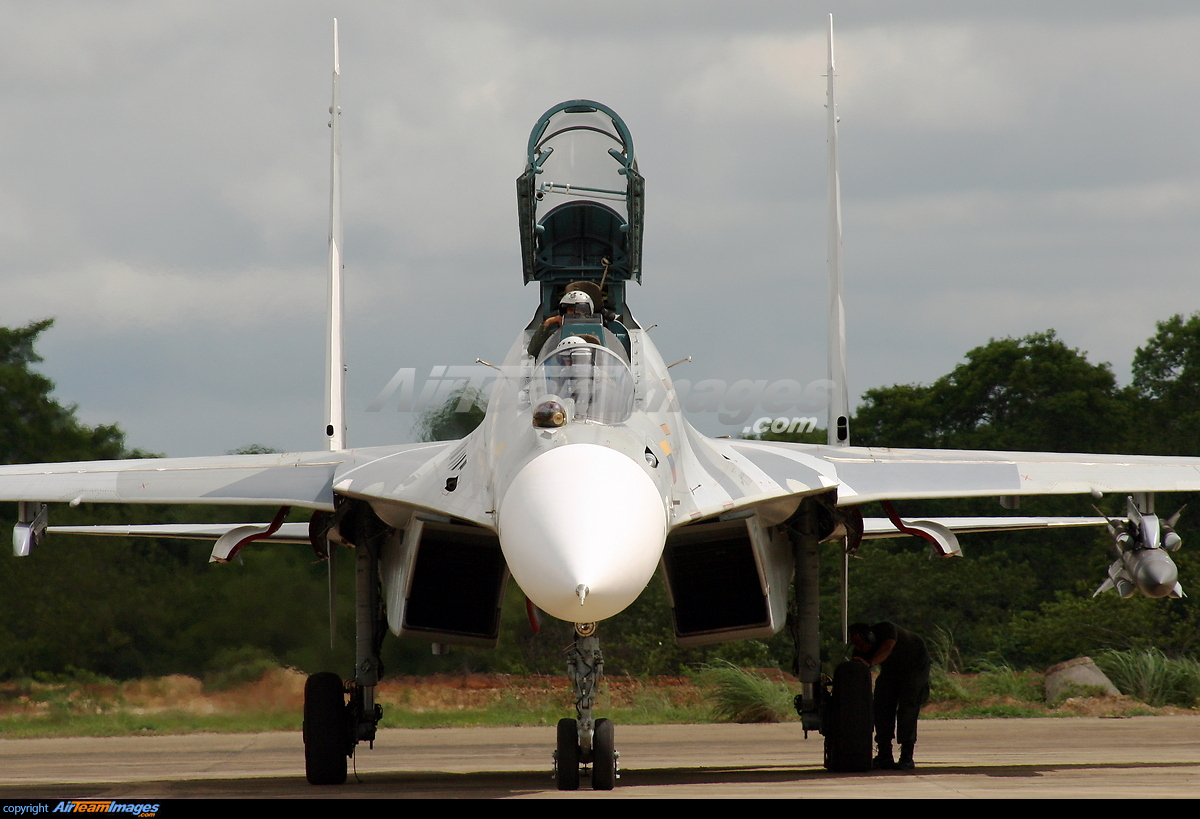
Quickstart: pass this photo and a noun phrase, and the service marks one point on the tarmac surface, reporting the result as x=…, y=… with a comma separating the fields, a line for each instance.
x=1135, y=757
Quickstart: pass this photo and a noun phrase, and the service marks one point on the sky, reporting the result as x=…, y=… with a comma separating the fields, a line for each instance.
x=1006, y=167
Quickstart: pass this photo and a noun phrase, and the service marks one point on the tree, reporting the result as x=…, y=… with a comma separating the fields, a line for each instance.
x=127, y=608
x=35, y=427
x=1166, y=378
x=462, y=411
x=1028, y=394
x=1075, y=624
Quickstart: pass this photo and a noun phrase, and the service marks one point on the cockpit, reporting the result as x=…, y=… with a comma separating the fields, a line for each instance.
x=580, y=201
x=591, y=383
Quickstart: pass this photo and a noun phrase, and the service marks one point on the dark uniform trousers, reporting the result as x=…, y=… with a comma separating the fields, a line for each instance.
x=898, y=701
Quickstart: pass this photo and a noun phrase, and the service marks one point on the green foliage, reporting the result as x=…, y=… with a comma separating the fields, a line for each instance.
x=1166, y=378
x=991, y=681
x=133, y=609
x=1152, y=677
x=462, y=411
x=1032, y=393
x=995, y=710
x=968, y=599
x=946, y=687
x=72, y=721
x=1000, y=680
x=233, y=666
x=1078, y=624
x=745, y=696
x=252, y=449
x=35, y=427
x=943, y=651
x=817, y=436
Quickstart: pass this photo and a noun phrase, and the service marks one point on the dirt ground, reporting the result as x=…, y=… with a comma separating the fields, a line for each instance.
x=282, y=690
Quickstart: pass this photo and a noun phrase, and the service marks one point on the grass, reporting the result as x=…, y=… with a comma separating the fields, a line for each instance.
x=1153, y=677
x=87, y=706
x=126, y=723
x=991, y=681
x=995, y=710
x=745, y=696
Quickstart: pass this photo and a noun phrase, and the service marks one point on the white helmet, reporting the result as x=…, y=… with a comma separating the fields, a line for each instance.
x=572, y=350
x=579, y=300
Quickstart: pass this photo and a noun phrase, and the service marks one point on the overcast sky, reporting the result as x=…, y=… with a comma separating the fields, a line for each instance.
x=1007, y=167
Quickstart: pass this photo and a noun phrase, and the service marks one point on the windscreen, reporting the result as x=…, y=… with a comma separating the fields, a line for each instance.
x=593, y=383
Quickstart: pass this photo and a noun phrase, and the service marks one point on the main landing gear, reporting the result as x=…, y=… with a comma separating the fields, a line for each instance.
x=583, y=741
x=841, y=711
x=338, y=715
x=333, y=726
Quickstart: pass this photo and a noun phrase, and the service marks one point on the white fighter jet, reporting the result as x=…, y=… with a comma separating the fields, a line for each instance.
x=584, y=478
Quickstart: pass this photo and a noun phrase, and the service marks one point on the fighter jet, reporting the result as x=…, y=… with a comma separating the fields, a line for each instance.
x=584, y=478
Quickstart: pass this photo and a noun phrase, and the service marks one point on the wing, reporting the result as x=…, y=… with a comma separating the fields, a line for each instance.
x=728, y=474
x=866, y=474
x=303, y=479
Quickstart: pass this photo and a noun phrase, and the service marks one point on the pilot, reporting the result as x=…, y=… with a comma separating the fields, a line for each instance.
x=572, y=360
x=574, y=302
x=901, y=689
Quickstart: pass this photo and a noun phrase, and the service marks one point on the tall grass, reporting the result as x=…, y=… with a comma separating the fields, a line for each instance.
x=943, y=651
x=992, y=681
x=744, y=696
x=1152, y=677
x=1001, y=680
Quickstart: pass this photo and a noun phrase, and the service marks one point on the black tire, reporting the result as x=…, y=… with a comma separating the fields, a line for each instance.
x=849, y=722
x=566, y=756
x=325, y=730
x=604, y=756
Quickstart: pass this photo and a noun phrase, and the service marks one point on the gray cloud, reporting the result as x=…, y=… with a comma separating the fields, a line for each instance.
x=1006, y=167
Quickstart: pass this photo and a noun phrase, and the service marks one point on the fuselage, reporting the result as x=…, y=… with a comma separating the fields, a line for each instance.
x=582, y=507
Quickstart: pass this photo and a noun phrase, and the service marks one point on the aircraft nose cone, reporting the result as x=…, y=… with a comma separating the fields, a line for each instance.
x=1155, y=573
x=582, y=528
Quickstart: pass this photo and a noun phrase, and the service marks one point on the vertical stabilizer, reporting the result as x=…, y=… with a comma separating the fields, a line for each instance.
x=839, y=402
x=335, y=358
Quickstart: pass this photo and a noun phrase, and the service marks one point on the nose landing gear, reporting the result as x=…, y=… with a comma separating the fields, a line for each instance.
x=583, y=740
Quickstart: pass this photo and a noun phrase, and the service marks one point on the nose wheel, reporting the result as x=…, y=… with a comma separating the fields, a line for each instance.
x=566, y=757
x=583, y=740
x=569, y=756
x=604, y=757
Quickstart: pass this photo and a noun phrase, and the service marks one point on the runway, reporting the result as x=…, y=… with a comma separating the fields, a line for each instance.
x=1135, y=757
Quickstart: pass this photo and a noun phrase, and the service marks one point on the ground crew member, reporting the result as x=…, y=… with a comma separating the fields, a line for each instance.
x=901, y=689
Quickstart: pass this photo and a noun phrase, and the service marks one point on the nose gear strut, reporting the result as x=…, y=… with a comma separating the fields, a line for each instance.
x=585, y=740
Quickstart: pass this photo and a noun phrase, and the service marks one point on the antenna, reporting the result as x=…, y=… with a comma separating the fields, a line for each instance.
x=839, y=402
x=335, y=351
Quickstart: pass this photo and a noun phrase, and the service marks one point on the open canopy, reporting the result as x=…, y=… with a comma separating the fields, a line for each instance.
x=580, y=199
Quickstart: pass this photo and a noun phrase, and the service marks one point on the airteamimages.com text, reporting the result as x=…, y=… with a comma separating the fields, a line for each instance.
x=785, y=400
